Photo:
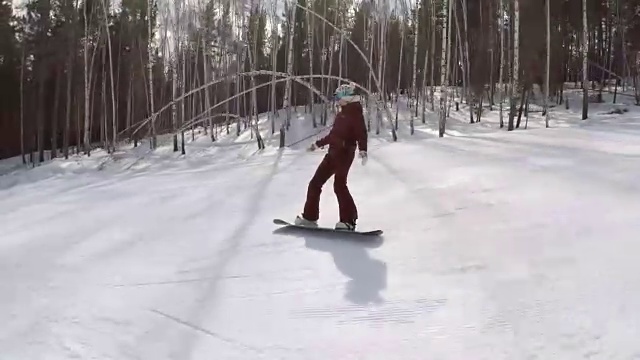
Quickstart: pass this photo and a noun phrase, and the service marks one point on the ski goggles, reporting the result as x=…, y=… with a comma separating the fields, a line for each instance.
x=342, y=93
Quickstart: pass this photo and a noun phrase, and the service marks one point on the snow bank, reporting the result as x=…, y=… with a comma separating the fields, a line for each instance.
x=199, y=148
x=604, y=118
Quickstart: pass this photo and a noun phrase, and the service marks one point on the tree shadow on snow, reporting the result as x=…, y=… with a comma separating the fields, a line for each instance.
x=367, y=276
x=205, y=299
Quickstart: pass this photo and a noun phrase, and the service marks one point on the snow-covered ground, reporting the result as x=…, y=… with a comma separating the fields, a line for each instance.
x=497, y=245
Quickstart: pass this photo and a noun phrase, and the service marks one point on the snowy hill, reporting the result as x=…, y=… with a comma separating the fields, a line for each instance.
x=497, y=245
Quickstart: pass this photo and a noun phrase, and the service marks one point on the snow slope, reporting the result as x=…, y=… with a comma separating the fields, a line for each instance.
x=519, y=245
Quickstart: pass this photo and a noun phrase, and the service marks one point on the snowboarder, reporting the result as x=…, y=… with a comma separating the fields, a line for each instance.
x=348, y=131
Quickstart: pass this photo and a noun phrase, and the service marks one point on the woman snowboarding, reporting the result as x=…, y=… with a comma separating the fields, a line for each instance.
x=348, y=133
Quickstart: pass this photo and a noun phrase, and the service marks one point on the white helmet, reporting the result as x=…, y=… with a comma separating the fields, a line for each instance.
x=346, y=93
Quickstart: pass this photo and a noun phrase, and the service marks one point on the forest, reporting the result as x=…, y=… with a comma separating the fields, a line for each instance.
x=80, y=74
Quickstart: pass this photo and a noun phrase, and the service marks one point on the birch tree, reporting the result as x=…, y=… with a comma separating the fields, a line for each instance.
x=274, y=61
x=87, y=85
x=150, y=70
x=516, y=64
x=414, y=91
x=444, y=66
x=286, y=104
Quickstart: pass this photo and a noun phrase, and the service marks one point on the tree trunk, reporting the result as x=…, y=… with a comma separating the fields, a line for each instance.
x=515, y=77
x=585, y=71
x=87, y=87
x=113, y=84
x=311, y=38
x=287, y=89
x=40, y=114
x=55, y=115
x=548, y=66
x=444, y=67
x=501, y=87
x=22, y=65
x=414, y=90
x=150, y=70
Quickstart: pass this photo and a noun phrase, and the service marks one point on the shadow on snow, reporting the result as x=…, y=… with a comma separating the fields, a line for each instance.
x=367, y=276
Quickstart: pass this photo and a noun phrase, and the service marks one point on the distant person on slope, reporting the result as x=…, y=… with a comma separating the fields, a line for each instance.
x=348, y=130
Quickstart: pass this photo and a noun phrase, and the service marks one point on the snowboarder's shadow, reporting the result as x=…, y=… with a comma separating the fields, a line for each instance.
x=367, y=276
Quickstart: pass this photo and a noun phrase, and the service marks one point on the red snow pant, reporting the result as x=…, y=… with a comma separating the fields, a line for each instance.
x=338, y=163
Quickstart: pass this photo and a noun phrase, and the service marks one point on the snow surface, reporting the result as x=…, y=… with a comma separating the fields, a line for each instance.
x=497, y=245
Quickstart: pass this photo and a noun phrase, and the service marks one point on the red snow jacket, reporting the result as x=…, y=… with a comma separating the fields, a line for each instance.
x=348, y=130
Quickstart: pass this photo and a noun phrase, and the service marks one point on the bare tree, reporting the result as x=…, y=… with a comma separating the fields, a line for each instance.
x=548, y=67
x=585, y=69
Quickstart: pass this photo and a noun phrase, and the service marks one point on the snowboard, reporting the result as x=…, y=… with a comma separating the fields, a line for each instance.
x=327, y=229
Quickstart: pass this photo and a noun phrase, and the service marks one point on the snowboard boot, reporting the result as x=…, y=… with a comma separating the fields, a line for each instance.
x=301, y=221
x=346, y=225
